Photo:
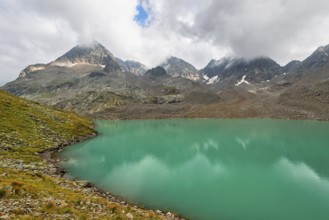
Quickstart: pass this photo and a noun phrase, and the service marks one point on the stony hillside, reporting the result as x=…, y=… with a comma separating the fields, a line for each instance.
x=30, y=188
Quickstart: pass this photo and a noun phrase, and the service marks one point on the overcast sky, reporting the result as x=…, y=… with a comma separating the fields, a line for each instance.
x=39, y=31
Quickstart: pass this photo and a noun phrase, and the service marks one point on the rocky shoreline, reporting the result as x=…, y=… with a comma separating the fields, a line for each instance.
x=86, y=186
x=29, y=206
x=31, y=183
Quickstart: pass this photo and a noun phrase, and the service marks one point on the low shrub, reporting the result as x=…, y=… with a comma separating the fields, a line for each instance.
x=2, y=193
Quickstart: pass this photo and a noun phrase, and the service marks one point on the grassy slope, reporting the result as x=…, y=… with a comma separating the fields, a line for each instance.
x=28, y=127
x=26, y=191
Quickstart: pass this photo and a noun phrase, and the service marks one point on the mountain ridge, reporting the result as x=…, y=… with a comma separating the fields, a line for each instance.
x=241, y=88
x=256, y=70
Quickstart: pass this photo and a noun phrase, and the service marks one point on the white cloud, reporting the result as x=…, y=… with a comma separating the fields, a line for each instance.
x=34, y=31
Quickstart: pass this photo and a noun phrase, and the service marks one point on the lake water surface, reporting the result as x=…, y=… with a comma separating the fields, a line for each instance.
x=211, y=168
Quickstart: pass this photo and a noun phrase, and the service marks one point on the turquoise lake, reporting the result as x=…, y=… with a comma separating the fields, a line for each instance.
x=211, y=169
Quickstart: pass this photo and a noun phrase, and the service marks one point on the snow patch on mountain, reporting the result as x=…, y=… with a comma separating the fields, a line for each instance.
x=243, y=80
x=206, y=77
x=213, y=80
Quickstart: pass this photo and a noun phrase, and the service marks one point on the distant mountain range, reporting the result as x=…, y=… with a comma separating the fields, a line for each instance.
x=92, y=81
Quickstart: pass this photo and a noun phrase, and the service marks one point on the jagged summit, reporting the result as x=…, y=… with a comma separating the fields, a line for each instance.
x=177, y=67
x=255, y=70
x=316, y=60
x=323, y=49
x=216, y=66
x=94, y=53
x=156, y=72
x=225, y=61
x=132, y=66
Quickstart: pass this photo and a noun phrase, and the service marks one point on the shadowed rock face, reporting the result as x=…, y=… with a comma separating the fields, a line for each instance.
x=112, y=66
x=156, y=72
x=291, y=66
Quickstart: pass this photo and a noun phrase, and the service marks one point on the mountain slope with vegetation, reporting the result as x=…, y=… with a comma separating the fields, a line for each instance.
x=28, y=127
x=31, y=188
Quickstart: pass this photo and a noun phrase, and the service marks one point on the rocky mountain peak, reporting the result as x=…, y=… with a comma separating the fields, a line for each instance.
x=212, y=63
x=263, y=62
x=156, y=72
x=254, y=70
x=173, y=59
x=317, y=59
x=94, y=53
x=135, y=67
x=132, y=66
x=323, y=49
x=177, y=67
x=223, y=62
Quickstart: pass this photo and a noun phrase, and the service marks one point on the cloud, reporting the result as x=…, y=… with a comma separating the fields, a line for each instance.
x=34, y=31
x=280, y=29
